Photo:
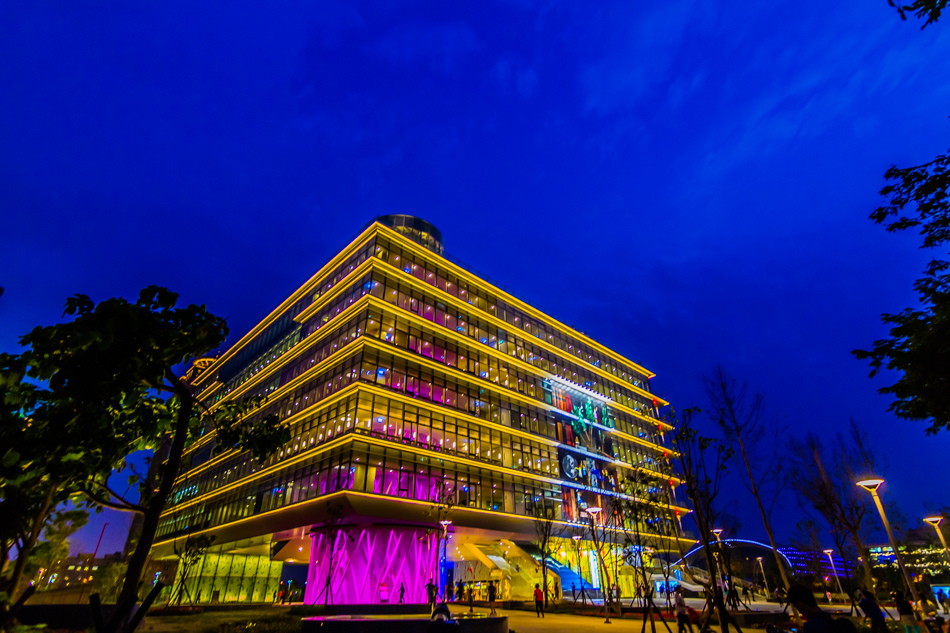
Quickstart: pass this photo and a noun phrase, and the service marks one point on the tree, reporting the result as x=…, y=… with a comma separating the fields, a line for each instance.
x=55, y=544
x=930, y=9
x=547, y=539
x=741, y=419
x=45, y=458
x=919, y=344
x=109, y=580
x=704, y=462
x=189, y=555
x=826, y=484
x=102, y=385
x=647, y=524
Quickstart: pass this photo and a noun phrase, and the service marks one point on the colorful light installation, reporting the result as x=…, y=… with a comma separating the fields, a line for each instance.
x=370, y=563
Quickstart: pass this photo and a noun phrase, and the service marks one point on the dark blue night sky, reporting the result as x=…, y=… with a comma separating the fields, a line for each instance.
x=688, y=182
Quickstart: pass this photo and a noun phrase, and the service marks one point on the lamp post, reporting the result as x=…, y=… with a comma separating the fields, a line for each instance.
x=764, y=581
x=829, y=552
x=443, y=578
x=935, y=522
x=592, y=512
x=722, y=562
x=872, y=485
x=580, y=571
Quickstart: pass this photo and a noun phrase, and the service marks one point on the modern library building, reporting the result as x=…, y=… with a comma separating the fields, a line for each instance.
x=435, y=421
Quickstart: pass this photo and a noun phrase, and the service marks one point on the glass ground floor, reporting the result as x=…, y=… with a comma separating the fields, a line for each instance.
x=368, y=561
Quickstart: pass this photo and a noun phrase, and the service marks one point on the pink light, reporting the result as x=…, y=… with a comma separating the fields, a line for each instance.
x=367, y=557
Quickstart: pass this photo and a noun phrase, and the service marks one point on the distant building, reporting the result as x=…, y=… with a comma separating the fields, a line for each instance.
x=75, y=570
x=922, y=554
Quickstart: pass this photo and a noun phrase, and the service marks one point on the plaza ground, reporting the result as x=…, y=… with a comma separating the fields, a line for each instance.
x=518, y=621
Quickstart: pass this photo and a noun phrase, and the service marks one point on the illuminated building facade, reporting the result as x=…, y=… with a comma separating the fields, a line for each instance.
x=433, y=416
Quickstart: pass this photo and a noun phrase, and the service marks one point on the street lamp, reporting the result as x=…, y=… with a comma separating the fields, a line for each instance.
x=829, y=552
x=592, y=512
x=722, y=563
x=872, y=485
x=764, y=581
x=935, y=522
x=580, y=571
x=445, y=523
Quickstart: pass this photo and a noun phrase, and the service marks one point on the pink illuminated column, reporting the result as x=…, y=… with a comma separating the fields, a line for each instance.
x=370, y=562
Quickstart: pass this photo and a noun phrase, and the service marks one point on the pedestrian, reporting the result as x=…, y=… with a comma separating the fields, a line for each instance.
x=431, y=592
x=492, y=594
x=778, y=596
x=460, y=588
x=872, y=611
x=471, y=596
x=926, y=608
x=828, y=595
x=573, y=592
x=816, y=620
x=745, y=595
x=683, y=623
x=539, y=601
x=402, y=593
x=906, y=612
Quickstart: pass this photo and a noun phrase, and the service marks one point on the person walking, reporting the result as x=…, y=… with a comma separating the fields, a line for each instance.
x=431, y=592
x=816, y=620
x=460, y=591
x=573, y=592
x=683, y=623
x=402, y=593
x=872, y=611
x=492, y=594
x=943, y=601
x=539, y=601
x=906, y=612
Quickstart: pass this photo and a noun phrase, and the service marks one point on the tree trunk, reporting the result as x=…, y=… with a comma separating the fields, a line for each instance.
x=865, y=561
x=150, y=517
x=765, y=517
x=24, y=553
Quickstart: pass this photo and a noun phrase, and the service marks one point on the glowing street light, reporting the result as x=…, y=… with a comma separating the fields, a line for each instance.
x=718, y=533
x=445, y=523
x=935, y=522
x=592, y=512
x=764, y=581
x=580, y=573
x=872, y=485
x=831, y=559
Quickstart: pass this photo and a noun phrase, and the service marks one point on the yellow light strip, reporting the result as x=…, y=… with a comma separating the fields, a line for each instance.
x=303, y=413
x=334, y=358
x=415, y=450
x=300, y=457
x=407, y=244
x=400, y=276
x=344, y=352
x=341, y=285
x=541, y=439
x=214, y=385
x=308, y=286
x=371, y=389
x=339, y=493
x=444, y=332
x=297, y=351
x=480, y=382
